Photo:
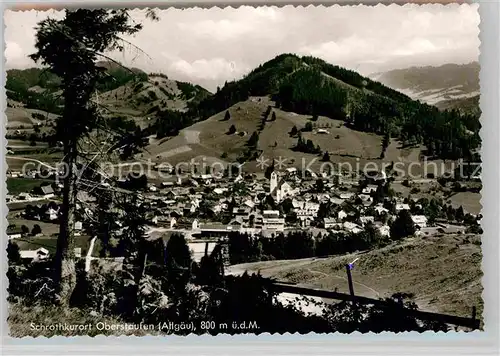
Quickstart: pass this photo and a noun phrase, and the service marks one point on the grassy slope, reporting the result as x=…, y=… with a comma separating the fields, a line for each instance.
x=443, y=272
x=347, y=146
x=19, y=185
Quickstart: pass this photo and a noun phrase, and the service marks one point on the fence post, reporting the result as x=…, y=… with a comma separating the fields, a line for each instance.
x=474, y=317
x=349, y=279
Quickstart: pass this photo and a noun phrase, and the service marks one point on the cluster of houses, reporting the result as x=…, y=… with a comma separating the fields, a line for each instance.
x=210, y=206
x=204, y=206
x=43, y=192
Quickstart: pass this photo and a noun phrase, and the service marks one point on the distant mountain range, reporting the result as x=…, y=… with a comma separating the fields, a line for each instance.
x=298, y=89
x=448, y=86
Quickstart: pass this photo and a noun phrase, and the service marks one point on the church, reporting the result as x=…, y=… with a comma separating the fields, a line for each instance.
x=280, y=188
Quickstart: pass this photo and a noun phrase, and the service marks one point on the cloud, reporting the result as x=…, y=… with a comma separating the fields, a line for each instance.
x=210, y=46
x=208, y=69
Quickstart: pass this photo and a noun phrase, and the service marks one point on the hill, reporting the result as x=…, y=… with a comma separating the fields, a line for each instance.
x=125, y=94
x=38, y=88
x=299, y=90
x=447, y=86
x=450, y=282
x=364, y=118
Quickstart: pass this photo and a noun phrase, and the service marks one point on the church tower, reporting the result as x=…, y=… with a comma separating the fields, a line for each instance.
x=274, y=182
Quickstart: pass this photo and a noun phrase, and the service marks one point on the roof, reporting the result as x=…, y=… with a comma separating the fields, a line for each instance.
x=33, y=253
x=47, y=189
x=270, y=212
x=402, y=207
x=419, y=218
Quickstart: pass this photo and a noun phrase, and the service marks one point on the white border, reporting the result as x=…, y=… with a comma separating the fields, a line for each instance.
x=429, y=343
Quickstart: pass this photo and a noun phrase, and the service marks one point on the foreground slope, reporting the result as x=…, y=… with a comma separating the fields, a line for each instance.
x=443, y=272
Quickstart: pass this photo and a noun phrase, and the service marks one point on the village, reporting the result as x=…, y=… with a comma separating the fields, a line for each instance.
x=206, y=208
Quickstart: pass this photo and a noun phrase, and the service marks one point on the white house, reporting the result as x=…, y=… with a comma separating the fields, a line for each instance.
x=206, y=178
x=78, y=252
x=272, y=221
x=273, y=224
x=341, y=215
x=351, y=227
x=291, y=170
x=250, y=203
x=78, y=228
x=25, y=196
x=401, y=206
x=34, y=255
x=419, y=220
x=195, y=225
x=367, y=219
x=384, y=230
x=370, y=188
x=14, y=235
x=220, y=190
x=53, y=214
x=239, y=178
x=380, y=209
x=346, y=196
x=48, y=192
x=329, y=223
x=365, y=197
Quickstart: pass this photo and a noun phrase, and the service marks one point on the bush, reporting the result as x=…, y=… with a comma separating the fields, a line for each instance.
x=36, y=230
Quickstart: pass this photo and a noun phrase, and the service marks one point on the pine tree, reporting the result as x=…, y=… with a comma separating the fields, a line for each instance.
x=232, y=130
x=227, y=116
x=13, y=254
x=326, y=157
x=403, y=226
x=254, y=139
x=71, y=47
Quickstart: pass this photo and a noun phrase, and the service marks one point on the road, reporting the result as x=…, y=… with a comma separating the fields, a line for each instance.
x=31, y=160
x=89, y=258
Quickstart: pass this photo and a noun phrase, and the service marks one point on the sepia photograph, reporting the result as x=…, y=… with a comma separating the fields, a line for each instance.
x=243, y=170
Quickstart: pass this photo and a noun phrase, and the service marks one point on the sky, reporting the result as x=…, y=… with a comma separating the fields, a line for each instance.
x=211, y=46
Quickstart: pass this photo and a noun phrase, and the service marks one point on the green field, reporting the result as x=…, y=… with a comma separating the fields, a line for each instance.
x=20, y=185
x=50, y=243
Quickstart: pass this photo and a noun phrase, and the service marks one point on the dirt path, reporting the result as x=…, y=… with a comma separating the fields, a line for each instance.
x=376, y=294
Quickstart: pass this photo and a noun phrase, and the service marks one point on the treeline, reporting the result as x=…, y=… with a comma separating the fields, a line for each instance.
x=355, y=79
x=118, y=76
x=300, y=244
x=190, y=91
x=308, y=91
x=169, y=123
x=46, y=101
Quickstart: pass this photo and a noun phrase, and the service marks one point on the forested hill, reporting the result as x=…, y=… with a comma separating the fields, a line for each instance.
x=309, y=85
x=38, y=88
x=131, y=88
x=305, y=85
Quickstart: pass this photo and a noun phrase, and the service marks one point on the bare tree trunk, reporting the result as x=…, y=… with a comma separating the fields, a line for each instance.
x=65, y=259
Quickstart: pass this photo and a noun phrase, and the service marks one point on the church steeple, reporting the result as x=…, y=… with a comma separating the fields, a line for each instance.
x=273, y=182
